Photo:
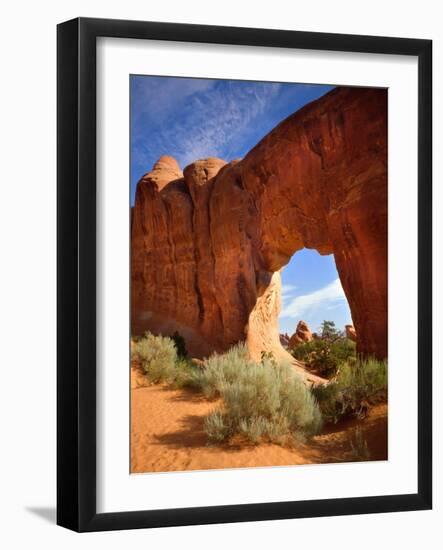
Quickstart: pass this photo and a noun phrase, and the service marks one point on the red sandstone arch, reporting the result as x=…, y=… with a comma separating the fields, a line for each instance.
x=208, y=244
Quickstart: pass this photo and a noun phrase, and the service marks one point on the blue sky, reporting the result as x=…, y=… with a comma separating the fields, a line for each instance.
x=192, y=118
x=311, y=290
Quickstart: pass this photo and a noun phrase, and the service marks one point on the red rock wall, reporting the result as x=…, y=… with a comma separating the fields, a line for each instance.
x=205, y=244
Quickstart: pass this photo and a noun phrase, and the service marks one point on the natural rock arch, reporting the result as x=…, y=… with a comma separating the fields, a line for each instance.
x=208, y=244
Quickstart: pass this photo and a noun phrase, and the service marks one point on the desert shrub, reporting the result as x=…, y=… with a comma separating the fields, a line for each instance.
x=162, y=362
x=368, y=377
x=216, y=426
x=180, y=345
x=324, y=355
x=357, y=386
x=184, y=375
x=157, y=356
x=263, y=402
x=220, y=370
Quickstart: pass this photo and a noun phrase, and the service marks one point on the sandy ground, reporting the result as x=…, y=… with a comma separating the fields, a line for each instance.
x=167, y=435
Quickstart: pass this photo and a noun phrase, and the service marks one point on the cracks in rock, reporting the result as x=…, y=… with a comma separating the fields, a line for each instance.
x=196, y=254
x=171, y=244
x=211, y=248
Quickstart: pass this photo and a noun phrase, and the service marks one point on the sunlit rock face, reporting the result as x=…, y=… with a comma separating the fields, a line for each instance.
x=302, y=335
x=206, y=244
x=350, y=332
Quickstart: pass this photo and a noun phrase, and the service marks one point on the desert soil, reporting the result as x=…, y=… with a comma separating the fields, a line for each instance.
x=167, y=434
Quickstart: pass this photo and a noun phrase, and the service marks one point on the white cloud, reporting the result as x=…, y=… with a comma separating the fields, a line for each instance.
x=287, y=289
x=328, y=297
x=197, y=119
x=287, y=293
x=211, y=121
x=158, y=97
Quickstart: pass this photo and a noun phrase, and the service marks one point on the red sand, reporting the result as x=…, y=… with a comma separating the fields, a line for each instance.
x=167, y=435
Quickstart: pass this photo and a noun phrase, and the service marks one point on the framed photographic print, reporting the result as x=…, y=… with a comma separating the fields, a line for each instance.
x=244, y=274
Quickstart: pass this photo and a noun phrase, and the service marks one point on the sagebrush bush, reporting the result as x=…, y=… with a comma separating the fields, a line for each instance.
x=357, y=386
x=261, y=402
x=161, y=362
x=184, y=375
x=216, y=427
x=220, y=370
x=157, y=356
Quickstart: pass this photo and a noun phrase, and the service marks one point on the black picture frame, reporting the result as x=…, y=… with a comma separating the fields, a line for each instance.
x=76, y=279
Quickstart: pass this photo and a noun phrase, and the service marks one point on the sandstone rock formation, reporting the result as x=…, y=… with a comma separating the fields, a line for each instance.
x=208, y=244
x=284, y=339
x=350, y=332
x=301, y=335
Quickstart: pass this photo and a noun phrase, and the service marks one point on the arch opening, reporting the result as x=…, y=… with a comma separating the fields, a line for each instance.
x=301, y=302
x=312, y=293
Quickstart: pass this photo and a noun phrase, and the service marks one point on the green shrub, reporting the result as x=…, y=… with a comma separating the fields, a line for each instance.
x=220, y=370
x=356, y=387
x=326, y=352
x=261, y=402
x=323, y=356
x=161, y=362
x=184, y=375
x=180, y=345
x=157, y=356
x=215, y=426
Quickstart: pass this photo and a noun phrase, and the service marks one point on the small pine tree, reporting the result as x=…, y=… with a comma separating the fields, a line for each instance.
x=329, y=331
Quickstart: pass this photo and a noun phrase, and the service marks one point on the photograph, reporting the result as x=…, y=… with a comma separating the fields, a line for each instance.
x=258, y=273
x=226, y=244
